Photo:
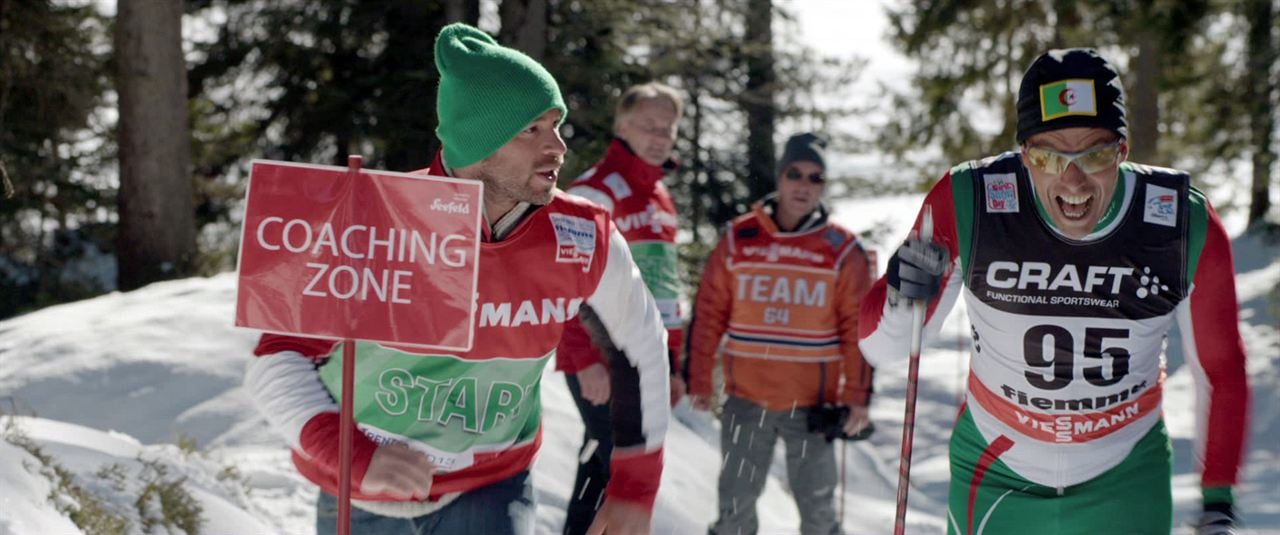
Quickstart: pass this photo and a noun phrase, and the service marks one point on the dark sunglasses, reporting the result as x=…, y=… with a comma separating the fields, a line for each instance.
x=794, y=174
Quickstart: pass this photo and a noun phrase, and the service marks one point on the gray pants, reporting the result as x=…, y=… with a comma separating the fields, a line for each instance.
x=747, y=435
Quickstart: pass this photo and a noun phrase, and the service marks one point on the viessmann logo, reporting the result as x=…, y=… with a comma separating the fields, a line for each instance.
x=1097, y=281
x=774, y=251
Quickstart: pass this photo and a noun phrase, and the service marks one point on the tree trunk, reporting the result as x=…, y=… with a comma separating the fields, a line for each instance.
x=1067, y=18
x=1008, y=137
x=156, y=234
x=524, y=26
x=1143, y=101
x=467, y=11
x=1261, y=50
x=410, y=57
x=758, y=99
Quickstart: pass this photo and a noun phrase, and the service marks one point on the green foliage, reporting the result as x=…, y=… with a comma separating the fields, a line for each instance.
x=187, y=444
x=975, y=51
x=701, y=48
x=968, y=51
x=86, y=510
x=52, y=82
x=164, y=500
x=354, y=77
x=346, y=77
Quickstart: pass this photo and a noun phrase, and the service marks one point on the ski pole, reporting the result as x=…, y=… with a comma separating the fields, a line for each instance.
x=913, y=373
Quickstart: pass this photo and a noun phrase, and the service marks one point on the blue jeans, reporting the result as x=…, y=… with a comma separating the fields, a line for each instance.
x=477, y=511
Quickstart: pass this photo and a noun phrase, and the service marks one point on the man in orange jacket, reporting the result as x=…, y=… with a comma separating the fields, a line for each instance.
x=782, y=290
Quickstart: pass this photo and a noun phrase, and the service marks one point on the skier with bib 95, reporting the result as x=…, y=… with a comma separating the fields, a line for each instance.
x=1074, y=265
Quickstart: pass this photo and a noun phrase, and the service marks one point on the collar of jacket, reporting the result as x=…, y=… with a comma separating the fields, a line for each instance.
x=490, y=231
x=619, y=157
x=766, y=208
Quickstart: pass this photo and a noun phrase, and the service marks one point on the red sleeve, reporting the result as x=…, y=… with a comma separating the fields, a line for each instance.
x=576, y=351
x=1219, y=350
x=635, y=478
x=319, y=441
x=314, y=348
x=710, y=318
x=675, y=345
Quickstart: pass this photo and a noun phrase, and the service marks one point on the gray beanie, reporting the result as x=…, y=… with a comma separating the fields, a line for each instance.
x=807, y=146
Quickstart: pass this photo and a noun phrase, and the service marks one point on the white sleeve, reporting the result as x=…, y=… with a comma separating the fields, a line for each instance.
x=629, y=314
x=891, y=339
x=287, y=390
x=594, y=195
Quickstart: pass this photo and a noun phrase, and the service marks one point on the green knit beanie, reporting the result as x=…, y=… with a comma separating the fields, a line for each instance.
x=488, y=94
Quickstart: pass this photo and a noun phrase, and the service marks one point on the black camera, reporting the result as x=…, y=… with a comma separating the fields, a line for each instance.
x=828, y=420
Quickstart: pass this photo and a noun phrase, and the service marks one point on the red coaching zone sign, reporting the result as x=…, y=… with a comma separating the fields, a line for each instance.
x=387, y=257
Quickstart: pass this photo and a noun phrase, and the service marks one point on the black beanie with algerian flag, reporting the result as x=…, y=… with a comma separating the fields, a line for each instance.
x=1074, y=87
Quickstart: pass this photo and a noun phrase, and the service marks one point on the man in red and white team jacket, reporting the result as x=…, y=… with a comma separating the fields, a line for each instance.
x=627, y=182
x=447, y=439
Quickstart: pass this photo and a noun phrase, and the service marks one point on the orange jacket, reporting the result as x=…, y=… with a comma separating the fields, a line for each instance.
x=785, y=305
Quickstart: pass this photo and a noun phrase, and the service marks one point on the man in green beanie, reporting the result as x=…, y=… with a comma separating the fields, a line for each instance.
x=446, y=440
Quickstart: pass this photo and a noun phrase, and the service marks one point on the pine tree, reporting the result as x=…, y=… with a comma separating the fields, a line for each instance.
x=54, y=222
x=977, y=50
x=348, y=77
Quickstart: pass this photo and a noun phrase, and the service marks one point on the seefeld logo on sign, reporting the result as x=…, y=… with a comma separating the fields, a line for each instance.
x=327, y=251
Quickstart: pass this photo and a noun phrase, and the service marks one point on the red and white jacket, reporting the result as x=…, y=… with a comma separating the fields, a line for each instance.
x=632, y=191
x=566, y=253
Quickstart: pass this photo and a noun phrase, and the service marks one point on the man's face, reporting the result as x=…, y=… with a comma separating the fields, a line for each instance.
x=800, y=188
x=525, y=169
x=649, y=129
x=1076, y=197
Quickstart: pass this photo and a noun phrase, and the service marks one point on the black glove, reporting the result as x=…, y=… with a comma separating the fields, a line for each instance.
x=1217, y=519
x=916, y=268
x=828, y=420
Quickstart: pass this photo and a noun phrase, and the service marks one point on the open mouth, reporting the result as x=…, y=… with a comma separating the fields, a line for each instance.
x=549, y=175
x=1074, y=206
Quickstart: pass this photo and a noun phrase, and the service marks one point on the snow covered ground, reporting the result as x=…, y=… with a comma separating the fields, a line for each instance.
x=121, y=379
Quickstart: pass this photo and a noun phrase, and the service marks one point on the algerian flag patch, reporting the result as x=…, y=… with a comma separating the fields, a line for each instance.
x=1067, y=97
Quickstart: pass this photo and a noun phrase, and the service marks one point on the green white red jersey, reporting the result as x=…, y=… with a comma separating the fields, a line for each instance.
x=1068, y=335
x=631, y=190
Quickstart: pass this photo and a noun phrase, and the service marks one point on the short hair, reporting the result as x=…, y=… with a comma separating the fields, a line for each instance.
x=635, y=94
